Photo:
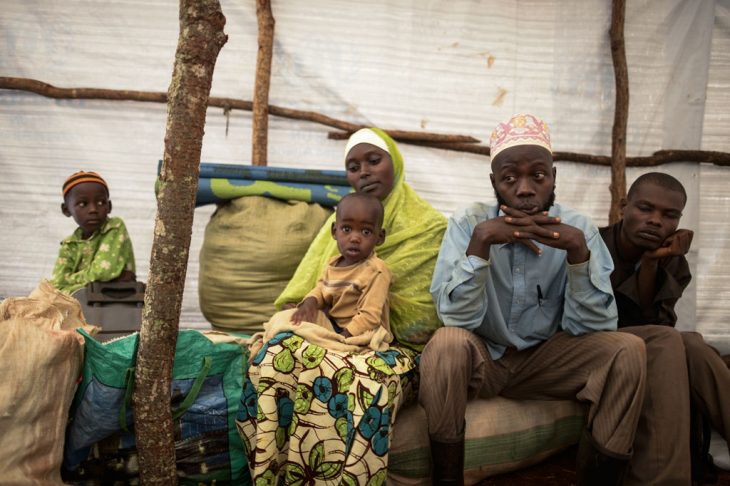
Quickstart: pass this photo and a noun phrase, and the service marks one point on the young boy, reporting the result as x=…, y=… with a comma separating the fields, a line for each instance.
x=100, y=248
x=353, y=288
x=650, y=274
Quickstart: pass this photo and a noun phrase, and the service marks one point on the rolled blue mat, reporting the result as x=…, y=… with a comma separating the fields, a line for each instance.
x=282, y=174
x=222, y=182
x=220, y=190
x=212, y=170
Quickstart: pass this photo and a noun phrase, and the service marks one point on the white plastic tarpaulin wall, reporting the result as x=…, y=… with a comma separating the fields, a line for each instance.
x=453, y=66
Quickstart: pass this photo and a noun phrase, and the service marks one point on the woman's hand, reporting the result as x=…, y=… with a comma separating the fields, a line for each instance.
x=306, y=311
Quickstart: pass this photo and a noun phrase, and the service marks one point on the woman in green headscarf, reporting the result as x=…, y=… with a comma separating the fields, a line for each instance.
x=413, y=231
x=312, y=414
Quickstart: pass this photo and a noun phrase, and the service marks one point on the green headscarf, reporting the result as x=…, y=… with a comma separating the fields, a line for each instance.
x=413, y=236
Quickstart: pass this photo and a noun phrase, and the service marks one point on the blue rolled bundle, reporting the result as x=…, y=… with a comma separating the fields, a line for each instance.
x=219, y=190
x=221, y=182
x=280, y=174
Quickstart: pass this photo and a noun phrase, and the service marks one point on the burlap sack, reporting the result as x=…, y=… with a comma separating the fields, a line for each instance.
x=47, y=308
x=251, y=248
x=40, y=364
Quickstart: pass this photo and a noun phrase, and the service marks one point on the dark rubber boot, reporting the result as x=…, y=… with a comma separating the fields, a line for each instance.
x=597, y=466
x=447, y=463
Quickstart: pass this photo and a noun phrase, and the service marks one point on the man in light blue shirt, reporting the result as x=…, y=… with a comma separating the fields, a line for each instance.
x=523, y=289
x=518, y=297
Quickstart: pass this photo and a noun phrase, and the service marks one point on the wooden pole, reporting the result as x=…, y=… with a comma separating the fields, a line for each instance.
x=200, y=40
x=50, y=91
x=621, y=110
x=263, y=79
x=453, y=142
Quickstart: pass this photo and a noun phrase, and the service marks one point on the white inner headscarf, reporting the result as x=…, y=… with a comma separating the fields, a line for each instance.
x=365, y=135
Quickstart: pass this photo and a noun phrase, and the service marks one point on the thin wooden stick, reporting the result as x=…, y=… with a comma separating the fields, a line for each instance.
x=663, y=156
x=657, y=158
x=455, y=143
x=471, y=148
x=50, y=91
x=45, y=89
x=621, y=111
x=263, y=78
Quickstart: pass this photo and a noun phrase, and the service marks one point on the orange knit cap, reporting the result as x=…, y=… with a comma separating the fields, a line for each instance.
x=80, y=177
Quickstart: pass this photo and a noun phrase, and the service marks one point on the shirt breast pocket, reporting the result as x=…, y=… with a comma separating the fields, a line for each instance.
x=548, y=317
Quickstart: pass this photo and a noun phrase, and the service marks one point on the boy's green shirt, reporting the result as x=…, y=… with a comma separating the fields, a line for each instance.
x=102, y=257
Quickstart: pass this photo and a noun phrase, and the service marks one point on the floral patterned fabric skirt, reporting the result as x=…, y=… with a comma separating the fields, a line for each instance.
x=313, y=415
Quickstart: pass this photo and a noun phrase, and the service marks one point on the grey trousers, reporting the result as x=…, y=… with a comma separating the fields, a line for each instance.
x=709, y=379
x=609, y=370
x=661, y=447
x=605, y=369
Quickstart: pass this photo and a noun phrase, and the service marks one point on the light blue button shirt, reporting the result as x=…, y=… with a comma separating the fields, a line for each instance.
x=517, y=298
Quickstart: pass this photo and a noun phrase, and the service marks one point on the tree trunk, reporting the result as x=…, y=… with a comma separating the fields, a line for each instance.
x=200, y=40
x=621, y=111
x=263, y=78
